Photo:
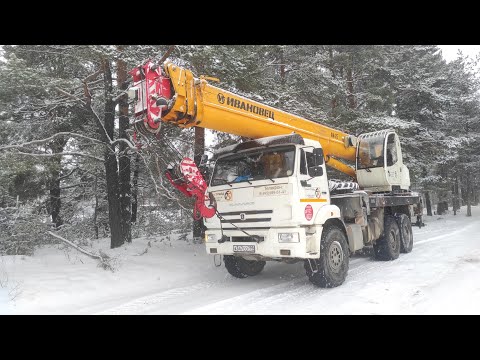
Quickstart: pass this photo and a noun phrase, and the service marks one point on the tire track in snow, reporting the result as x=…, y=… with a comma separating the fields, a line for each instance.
x=432, y=232
x=293, y=290
x=449, y=234
x=141, y=304
x=274, y=298
x=298, y=287
x=265, y=300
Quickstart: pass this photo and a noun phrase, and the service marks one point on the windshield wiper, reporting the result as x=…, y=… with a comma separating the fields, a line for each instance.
x=224, y=181
x=269, y=178
x=242, y=179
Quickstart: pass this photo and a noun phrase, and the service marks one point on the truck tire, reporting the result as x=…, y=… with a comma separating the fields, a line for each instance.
x=241, y=268
x=406, y=234
x=331, y=269
x=387, y=247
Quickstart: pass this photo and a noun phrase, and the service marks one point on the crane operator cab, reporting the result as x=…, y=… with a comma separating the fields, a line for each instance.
x=379, y=162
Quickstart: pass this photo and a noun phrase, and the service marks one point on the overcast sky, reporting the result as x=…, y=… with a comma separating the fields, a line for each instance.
x=449, y=52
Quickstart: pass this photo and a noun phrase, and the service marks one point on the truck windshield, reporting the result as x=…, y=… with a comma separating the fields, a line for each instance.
x=268, y=163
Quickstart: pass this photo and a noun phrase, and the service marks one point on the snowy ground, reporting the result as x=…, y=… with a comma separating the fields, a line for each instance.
x=440, y=276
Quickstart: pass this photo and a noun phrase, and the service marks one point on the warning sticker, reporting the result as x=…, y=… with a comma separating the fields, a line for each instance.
x=223, y=195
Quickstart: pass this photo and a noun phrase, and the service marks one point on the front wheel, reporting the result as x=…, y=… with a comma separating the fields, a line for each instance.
x=331, y=269
x=241, y=268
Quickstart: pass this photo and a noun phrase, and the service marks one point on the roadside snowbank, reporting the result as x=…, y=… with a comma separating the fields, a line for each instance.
x=165, y=275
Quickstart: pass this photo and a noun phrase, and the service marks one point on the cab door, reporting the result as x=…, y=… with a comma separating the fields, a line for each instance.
x=312, y=189
x=393, y=159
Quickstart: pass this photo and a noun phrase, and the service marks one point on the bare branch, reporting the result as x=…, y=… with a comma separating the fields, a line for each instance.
x=42, y=141
x=118, y=97
x=129, y=144
x=62, y=154
x=92, y=76
x=89, y=108
x=88, y=95
x=69, y=95
x=67, y=175
x=95, y=83
x=47, y=52
x=72, y=186
x=166, y=192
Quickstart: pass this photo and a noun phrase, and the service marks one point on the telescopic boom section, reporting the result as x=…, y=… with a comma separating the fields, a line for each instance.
x=174, y=95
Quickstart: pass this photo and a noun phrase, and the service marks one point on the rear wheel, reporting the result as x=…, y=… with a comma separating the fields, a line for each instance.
x=332, y=267
x=387, y=247
x=406, y=234
x=241, y=268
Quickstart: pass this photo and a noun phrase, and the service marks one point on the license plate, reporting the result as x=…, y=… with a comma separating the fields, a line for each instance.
x=244, y=248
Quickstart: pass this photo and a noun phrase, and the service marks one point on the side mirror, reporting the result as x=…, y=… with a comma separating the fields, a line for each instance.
x=203, y=160
x=203, y=167
x=318, y=156
x=132, y=93
x=315, y=171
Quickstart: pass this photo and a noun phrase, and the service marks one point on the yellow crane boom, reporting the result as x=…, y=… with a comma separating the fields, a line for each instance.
x=194, y=101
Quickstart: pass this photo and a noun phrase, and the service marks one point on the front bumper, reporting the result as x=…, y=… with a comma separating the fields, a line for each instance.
x=308, y=246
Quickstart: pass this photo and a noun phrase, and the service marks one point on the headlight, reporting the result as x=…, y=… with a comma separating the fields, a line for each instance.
x=288, y=237
x=211, y=238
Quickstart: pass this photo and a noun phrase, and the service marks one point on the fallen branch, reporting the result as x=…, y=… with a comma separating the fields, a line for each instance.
x=142, y=253
x=102, y=257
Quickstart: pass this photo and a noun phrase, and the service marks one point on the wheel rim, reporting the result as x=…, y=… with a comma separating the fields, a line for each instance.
x=253, y=264
x=335, y=256
x=393, y=240
x=408, y=235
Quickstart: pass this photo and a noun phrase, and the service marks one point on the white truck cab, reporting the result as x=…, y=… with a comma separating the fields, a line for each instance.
x=274, y=204
x=273, y=198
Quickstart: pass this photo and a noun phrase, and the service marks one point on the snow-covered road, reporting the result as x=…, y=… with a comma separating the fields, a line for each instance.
x=440, y=276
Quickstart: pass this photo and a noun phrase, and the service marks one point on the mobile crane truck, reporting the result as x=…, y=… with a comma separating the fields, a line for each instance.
x=268, y=198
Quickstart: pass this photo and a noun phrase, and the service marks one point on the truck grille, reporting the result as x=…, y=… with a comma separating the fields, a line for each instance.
x=246, y=239
x=248, y=216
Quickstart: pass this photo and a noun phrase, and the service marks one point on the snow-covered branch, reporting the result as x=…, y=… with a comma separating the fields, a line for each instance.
x=87, y=102
x=119, y=96
x=67, y=175
x=73, y=153
x=102, y=257
x=74, y=185
x=129, y=144
x=42, y=141
x=95, y=115
x=67, y=94
x=93, y=76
